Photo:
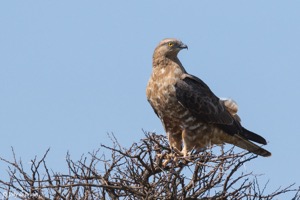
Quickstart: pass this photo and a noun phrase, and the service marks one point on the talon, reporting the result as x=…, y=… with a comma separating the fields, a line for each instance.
x=168, y=158
x=164, y=164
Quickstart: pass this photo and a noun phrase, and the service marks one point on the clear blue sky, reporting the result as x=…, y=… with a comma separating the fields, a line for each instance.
x=72, y=71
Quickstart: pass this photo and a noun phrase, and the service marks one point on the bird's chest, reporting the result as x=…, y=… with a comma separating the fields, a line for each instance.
x=162, y=94
x=163, y=98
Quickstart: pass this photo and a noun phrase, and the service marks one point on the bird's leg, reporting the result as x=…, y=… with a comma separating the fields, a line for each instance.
x=187, y=143
x=184, y=151
x=188, y=146
x=175, y=141
x=175, y=145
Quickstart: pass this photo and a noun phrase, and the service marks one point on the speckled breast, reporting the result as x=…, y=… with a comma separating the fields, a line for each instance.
x=174, y=116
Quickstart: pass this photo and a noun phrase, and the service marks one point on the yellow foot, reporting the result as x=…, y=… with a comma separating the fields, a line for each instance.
x=169, y=157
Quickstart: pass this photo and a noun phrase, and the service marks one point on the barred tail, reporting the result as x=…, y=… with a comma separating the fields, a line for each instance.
x=249, y=146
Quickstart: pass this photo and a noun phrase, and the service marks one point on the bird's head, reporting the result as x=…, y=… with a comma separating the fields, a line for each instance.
x=169, y=47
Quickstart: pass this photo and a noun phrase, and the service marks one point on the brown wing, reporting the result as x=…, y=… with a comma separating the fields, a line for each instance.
x=196, y=96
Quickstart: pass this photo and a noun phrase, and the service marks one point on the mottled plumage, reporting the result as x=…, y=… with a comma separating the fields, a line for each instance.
x=191, y=113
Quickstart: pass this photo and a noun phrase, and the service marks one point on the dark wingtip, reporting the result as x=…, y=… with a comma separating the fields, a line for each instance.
x=269, y=154
x=254, y=137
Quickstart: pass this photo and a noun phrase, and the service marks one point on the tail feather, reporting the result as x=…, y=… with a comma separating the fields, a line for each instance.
x=249, y=146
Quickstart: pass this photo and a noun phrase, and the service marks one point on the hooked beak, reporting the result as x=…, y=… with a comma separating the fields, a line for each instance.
x=183, y=46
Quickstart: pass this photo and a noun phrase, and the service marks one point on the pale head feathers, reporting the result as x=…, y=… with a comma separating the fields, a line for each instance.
x=169, y=47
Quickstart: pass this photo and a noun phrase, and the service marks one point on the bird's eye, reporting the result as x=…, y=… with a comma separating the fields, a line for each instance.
x=170, y=44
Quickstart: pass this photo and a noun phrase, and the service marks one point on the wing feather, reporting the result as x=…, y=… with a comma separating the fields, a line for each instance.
x=196, y=96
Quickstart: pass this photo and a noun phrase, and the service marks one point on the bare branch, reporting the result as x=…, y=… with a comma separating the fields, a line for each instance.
x=146, y=170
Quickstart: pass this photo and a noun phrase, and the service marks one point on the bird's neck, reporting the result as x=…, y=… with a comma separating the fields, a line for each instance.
x=167, y=61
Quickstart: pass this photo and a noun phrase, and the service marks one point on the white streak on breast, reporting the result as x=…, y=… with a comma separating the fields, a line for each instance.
x=194, y=127
x=189, y=119
x=184, y=114
x=177, y=71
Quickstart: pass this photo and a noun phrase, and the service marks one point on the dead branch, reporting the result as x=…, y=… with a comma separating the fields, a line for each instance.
x=139, y=172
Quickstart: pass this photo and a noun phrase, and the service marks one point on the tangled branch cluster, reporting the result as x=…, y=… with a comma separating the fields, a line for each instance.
x=146, y=170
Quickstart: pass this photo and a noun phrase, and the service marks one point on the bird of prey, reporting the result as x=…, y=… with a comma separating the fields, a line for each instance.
x=192, y=115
